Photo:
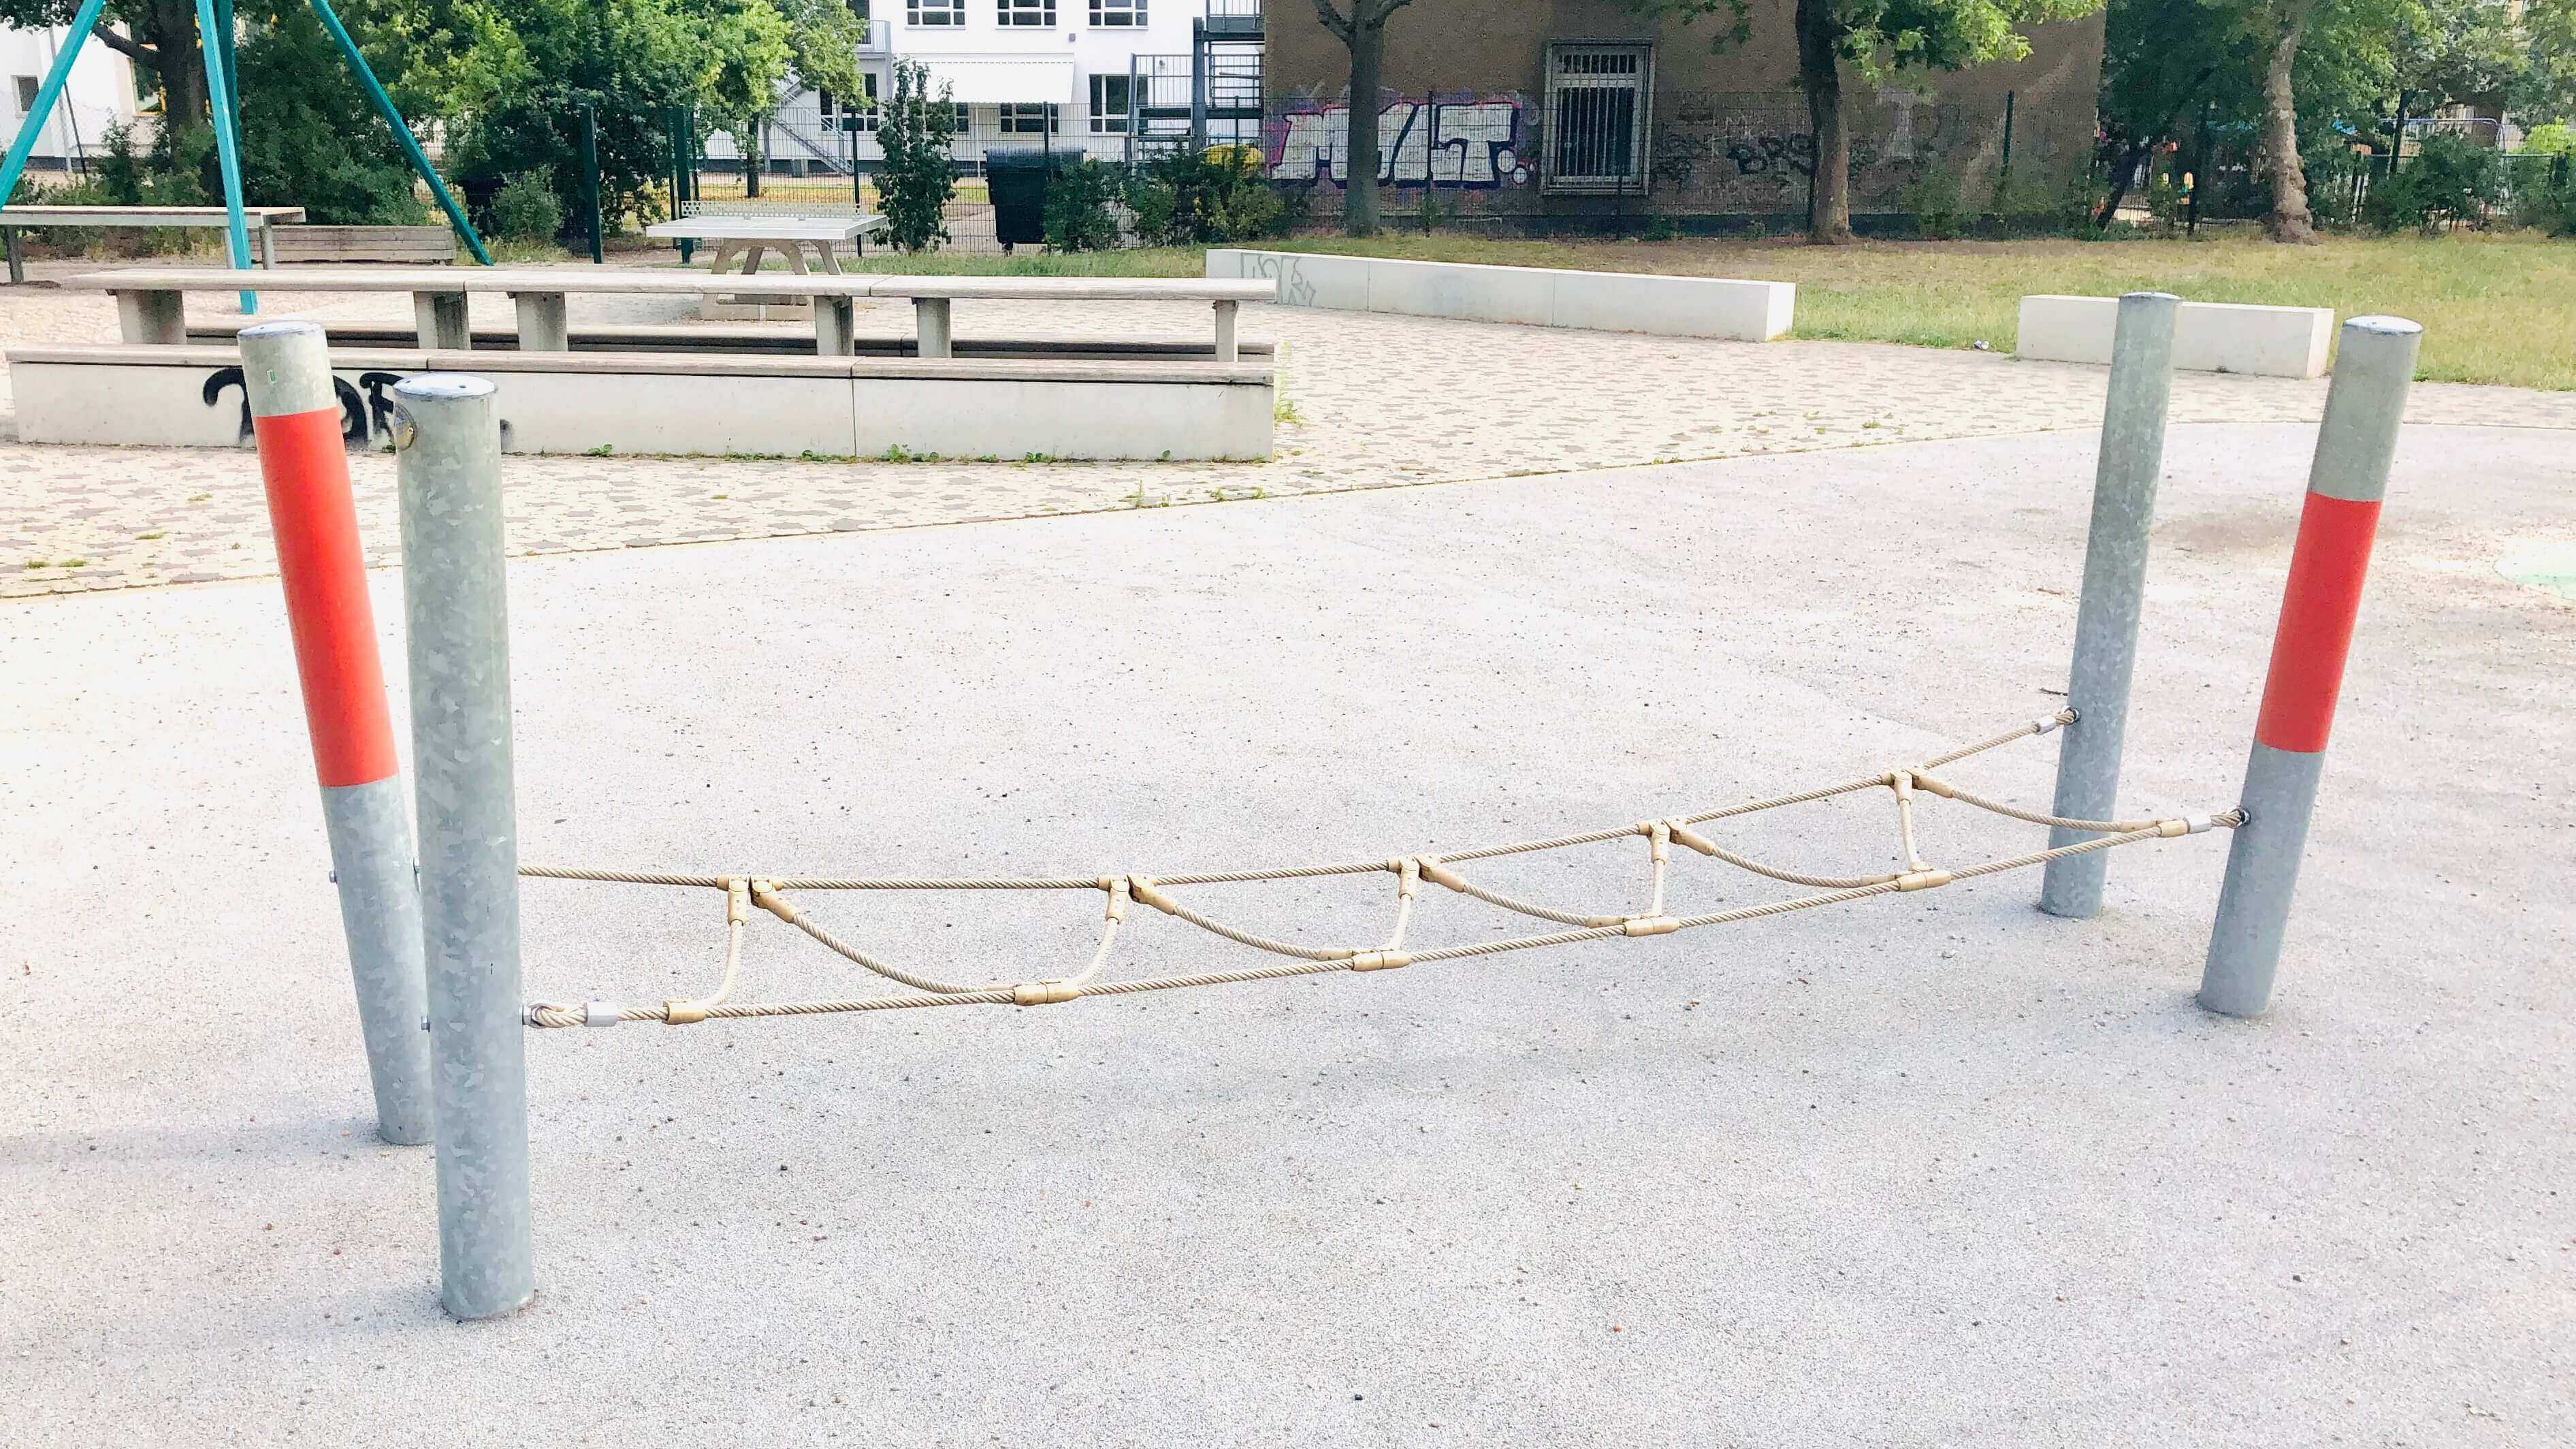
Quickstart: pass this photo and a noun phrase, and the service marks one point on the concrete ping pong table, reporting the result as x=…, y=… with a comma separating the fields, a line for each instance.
x=743, y=241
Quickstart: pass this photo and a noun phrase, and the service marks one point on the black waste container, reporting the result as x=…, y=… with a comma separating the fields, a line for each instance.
x=1017, y=179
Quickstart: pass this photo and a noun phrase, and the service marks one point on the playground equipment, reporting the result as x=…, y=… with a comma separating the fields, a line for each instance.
x=215, y=34
x=448, y=459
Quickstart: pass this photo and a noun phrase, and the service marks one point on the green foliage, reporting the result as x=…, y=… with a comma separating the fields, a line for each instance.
x=918, y=176
x=1078, y=215
x=310, y=137
x=2554, y=139
x=1933, y=198
x=2450, y=180
x=1199, y=199
x=525, y=209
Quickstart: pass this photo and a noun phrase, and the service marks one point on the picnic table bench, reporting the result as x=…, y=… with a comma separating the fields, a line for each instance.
x=743, y=241
x=151, y=310
x=262, y=221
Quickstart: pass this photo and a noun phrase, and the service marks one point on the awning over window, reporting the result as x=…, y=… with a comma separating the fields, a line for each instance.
x=991, y=80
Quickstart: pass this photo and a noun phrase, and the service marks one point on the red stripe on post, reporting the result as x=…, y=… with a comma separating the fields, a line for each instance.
x=306, y=468
x=2317, y=612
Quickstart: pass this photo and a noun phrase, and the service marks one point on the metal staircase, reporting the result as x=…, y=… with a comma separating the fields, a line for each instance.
x=1209, y=97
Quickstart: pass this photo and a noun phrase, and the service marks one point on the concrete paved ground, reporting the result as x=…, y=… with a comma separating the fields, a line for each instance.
x=1936, y=1170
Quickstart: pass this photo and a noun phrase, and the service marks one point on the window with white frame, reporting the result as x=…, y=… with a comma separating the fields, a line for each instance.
x=1027, y=12
x=935, y=12
x=1118, y=12
x=1028, y=119
x=863, y=112
x=1597, y=99
x=1108, y=103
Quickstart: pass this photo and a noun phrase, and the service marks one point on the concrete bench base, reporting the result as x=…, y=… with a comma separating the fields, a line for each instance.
x=562, y=402
x=1534, y=296
x=2208, y=336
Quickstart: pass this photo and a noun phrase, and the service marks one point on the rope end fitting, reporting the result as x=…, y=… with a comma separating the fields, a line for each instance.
x=2047, y=722
x=1380, y=960
x=737, y=900
x=1651, y=925
x=1926, y=782
x=1142, y=888
x=1043, y=993
x=1922, y=880
x=1659, y=839
x=1691, y=838
x=1119, y=893
x=764, y=894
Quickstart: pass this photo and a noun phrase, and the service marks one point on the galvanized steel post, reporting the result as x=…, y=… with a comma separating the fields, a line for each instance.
x=295, y=415
x=2319, y=604
x=448, y=455
x=2115, y=588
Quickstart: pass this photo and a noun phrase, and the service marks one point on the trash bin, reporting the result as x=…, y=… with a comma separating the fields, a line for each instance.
x=1017, y=181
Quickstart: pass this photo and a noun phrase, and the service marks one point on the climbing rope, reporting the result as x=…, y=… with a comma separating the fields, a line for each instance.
x=1906, y=786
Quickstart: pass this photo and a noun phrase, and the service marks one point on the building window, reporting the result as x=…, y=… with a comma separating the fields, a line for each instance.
x=27, y=88
x=1118, y=12
x=1030, y=119
x=1109, y=103
x=1596, y=116
x=1027, y=12
x=863, y=115
x=935, y=12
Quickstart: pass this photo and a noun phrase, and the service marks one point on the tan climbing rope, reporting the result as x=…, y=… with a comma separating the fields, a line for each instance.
x=1906, y=786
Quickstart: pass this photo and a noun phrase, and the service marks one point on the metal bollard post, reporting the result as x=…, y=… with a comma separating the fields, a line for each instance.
x=2115, y=588
x=295, y=415
x=448, y=454
x=2318, y=606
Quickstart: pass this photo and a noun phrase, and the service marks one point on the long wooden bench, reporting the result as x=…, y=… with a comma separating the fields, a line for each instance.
x=151, y=310
x=260, y=221
x=405, y=245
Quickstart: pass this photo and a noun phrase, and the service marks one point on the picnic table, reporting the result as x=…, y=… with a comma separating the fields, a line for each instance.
x=262, y=220
x=743, y=242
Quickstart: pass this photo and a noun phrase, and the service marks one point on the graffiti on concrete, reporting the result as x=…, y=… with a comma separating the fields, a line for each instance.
x=1288, y=270
x=1756, y=151
x=366, y=414
x=1474, y=143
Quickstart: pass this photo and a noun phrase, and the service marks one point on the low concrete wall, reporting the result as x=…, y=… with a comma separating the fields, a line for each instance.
x=1534, y=296
x=2208, y=336
x=696, y=405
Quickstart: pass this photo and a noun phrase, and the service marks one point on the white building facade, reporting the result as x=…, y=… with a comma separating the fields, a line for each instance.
x=99, y=94
x=1051, y=74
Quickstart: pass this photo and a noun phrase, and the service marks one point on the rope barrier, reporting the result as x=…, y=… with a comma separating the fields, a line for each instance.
x=767, y=893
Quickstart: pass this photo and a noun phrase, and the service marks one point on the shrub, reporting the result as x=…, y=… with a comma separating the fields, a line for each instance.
x=1078, y=215
x=2450, y=179
x=1933, y=198
x=310, y=137
x=1211, y=198
x=918, y=176
x=525, y=209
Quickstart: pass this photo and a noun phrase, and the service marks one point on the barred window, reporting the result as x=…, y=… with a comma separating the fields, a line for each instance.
x=1118, y=12
x=1597, y=98
x=935, y=12
x=1027, y=12
x=1028, y=119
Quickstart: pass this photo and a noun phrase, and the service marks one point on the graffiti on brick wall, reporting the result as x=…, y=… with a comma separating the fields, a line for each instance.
x=1724, y=151
x=1476, y=143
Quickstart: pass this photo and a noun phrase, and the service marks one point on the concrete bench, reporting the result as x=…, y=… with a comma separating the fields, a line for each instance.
x=689, y=404
x=151, y=311
x=260, y=221
x=402, y=245
x=2208, y=336
x=1534, y=296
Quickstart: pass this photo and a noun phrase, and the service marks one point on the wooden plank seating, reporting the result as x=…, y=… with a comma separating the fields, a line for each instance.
x=151, y=311
x=260, y=221
x=408, y=245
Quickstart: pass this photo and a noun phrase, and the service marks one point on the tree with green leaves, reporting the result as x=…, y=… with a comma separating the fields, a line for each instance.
x=919, y=173
x=1880, y=40
x=1362, y=31
x=160, y=38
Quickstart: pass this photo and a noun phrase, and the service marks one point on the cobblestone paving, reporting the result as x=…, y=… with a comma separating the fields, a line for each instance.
x=1377, y=402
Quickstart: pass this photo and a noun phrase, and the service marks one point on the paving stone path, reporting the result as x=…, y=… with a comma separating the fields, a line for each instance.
x=1371, y=402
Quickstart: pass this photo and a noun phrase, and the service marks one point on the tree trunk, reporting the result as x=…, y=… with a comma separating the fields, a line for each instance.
x=749, y=143
x=2289, y=221
x=170, y=27
x=1829, y=218
x=1359, y=143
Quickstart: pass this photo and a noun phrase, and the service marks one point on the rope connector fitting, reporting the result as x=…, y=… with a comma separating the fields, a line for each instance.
x=683, y=1013
x=1043, y=993
x=737, y=900
x=1119, y=893
x=1922, y=880
x=1926, y=782
x=1408, y=877
x=1440, y=875
x=1142, y=888
x=764, y=894
x=601, y=1013
x=1659, y=839
x=1691, y=838
x=1380, y=960
x=1652, y=925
